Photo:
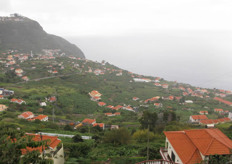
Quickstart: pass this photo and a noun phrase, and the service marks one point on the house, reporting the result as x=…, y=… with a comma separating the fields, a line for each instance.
x=26, y=115
x=110, y=106
x=52, y=99
x=218, y=110
x=197, y=118
x=157, y=84
x=171, y=97
x=223, y=101
x=117, y=113
x=158, y=105
x=25, y=78
x=194, y=146
x=209, y=123
x=185, y=94
x=113, y=114
x=88, y=121
x=54, y=72
x=54, y=149
x=117, y=107
x=188, y=101
x=165, y=86
x=18, y=101
x=101, y=125
x=98, y=72
x=18, y=71
x=135, y=98
x=203, y=112
x=3, y=107
x=101, y=104
x=114, y=127
x=109, y=114
x=1, y=97
x=146, y=80
x=128, y=108
x=43, y=104
x=230, y=115
x=41, y=118
x=95, y=93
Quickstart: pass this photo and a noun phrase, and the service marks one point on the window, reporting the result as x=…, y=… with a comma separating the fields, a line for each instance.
x=173, y=157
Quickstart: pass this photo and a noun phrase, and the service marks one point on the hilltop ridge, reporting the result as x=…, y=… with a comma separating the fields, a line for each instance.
x=22, y=33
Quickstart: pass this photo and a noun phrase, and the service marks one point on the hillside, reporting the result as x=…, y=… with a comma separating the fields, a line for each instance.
x=27, y=35
x=127, y=108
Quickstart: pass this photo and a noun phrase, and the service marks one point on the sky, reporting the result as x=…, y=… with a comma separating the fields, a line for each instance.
x=119, y=17
x=184, y=40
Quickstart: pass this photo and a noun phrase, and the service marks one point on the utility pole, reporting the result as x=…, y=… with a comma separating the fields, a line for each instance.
x=148, y=141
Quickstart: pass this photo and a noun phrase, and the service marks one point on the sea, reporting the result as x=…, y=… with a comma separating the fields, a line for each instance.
x=200, y=58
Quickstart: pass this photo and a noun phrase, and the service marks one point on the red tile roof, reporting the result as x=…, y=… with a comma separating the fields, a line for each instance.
x=223, y=101
x=194, y=142
x=199, y=117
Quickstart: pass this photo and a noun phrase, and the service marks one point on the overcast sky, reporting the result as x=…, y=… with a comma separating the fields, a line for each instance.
x=184, y=40
x=119, y=17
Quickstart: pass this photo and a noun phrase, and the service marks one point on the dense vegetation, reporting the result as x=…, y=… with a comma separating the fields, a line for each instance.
x=71, y=85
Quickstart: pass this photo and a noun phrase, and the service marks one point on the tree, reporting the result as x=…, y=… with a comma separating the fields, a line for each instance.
x=142, y=135
x=117, y=136
x=77, y=138
x=11, y=143
x=148, y=120
x=68, y=128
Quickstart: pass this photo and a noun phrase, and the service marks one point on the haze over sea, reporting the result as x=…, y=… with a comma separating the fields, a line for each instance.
x=199, y=58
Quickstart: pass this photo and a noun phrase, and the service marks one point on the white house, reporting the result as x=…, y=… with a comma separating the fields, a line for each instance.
x=194, y=146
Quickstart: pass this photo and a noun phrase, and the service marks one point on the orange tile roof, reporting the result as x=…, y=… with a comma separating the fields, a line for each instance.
x=223, y=101
x=52, y=142
x=26, y=114
x=199, y=117
x=109, y=114
x=187, y=152
x=117, y=113
x=210, y=141
x=40, y=117
x=101, y=125
x=218, y=110
x=101, y=103
x=194, y=142
x=203, y=112
x=110, y=106
x=209, y=121
x=117, y=107
x=89, y=121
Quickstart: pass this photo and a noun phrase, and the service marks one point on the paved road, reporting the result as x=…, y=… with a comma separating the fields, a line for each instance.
x=48, y=77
